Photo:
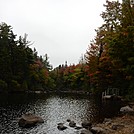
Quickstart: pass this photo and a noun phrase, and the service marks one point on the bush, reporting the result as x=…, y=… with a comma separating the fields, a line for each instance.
x=14, y=85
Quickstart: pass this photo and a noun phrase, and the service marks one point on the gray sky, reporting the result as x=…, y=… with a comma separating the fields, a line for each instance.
x=61, y=28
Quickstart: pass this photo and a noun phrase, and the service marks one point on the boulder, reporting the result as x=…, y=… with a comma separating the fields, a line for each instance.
x=126, y=109
x=29, y=120
x=61, y=127
x=86, y=124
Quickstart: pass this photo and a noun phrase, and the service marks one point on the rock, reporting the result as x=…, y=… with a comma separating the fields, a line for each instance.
x=98, y=130
x=29, y=120
x=116, y=126
x=107, y=121
x=72, y=124
x=132, y=131
x=78, y=127
x=61, y=127
x=86, y=125
x=126, y=109
x=85, y=131
x=68, y=120
x=60, y=124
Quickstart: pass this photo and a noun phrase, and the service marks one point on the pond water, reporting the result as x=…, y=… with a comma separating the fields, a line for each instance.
x=54, y=109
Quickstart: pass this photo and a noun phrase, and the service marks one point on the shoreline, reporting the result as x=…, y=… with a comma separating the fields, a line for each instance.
x=120, y=124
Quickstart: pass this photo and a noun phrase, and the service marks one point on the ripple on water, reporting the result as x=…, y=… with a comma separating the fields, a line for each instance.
x=53, y=109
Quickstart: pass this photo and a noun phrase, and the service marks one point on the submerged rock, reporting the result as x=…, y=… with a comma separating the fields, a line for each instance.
x=61, y=127
x=68, y=120
x=29, y=120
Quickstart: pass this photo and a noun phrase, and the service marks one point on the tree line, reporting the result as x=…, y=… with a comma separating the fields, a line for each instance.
x=108, y=61
x=21, y=69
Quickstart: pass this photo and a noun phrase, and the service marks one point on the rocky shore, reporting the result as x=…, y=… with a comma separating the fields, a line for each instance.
x=119, y=125
x=122, y=124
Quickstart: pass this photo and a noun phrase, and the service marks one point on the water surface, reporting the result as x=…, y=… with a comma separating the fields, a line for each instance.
x=52, y=108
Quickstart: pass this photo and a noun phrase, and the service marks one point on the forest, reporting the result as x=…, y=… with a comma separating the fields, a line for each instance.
x=107, y=63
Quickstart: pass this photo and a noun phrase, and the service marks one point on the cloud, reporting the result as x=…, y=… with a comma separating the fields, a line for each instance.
x=60, y=28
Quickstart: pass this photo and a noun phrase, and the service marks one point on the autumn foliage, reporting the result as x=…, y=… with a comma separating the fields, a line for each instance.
x=111, y=55
x=108, y=61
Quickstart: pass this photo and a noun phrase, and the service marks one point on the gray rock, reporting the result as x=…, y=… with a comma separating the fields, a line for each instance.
x=126, y=109
x=60, y=124
x=78, y=127
x=72, y=124
x=86, y=124
x=98, y=130
x=68, y=120
x=107, y=121
x=29, y=120
x=61, y=127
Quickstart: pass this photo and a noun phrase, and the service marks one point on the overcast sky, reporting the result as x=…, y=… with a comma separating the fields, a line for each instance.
x=61, y=28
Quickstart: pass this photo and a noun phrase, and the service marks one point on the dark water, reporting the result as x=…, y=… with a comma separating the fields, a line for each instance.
x=53, y=109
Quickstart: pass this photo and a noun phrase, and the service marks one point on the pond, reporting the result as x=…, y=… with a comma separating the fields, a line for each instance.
x=54, y=109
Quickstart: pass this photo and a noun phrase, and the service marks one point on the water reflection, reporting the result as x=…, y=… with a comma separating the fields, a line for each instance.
x=52, y=108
